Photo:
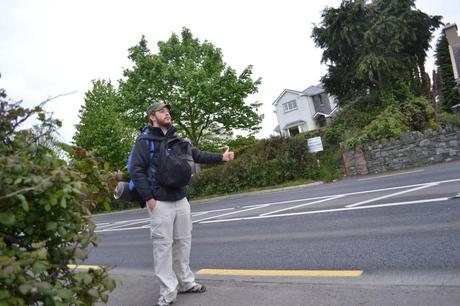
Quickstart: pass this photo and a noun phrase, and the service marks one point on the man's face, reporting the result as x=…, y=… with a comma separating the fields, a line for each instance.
x=162, y=117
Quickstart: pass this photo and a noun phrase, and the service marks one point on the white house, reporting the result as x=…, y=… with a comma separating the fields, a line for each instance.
x=301, y=111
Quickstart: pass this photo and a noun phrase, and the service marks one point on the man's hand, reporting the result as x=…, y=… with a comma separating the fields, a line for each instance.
x=228, y=155
x=151, y=204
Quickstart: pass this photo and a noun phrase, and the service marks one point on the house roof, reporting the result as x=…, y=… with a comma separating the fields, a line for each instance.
x=313, y=90
x=283, y=93
x=317, y=114
x=293, y=123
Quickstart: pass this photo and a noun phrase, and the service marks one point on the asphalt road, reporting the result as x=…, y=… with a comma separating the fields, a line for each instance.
x=401, y=228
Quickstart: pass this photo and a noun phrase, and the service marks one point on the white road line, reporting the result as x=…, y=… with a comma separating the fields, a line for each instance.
x=341, y=195
x=122, y=229
x=233, y=212
x=388, y=175
x=441, y=200
x=128, y=224
x=215, y=210
x=301, y=205
x=105, y=225
x=199, y=213
x=119, y=225
x=348, y=194
x=392, y=195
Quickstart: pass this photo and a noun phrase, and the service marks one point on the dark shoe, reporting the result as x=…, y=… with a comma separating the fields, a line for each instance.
x=197, y=288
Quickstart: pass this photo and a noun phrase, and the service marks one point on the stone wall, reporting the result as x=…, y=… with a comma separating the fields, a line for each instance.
x=410, y=150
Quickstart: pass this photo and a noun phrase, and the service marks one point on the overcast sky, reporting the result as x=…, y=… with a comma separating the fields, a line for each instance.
x=48, y=48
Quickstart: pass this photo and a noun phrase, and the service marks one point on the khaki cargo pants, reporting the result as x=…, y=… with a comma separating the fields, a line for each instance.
x=171, y=232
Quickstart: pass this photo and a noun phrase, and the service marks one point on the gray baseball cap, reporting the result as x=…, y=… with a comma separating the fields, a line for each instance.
x=156, y=106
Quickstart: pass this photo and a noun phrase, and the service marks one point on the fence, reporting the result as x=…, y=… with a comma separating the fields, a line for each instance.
x=412, y=149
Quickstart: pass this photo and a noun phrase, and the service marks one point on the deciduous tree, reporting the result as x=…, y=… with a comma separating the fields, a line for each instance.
x=206, y=95
x=101, y=127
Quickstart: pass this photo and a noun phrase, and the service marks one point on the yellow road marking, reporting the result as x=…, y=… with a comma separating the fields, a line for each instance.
x=84, y=267
x=308, y=273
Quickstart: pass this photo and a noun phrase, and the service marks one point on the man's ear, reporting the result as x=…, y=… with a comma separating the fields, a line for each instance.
x=152, y=118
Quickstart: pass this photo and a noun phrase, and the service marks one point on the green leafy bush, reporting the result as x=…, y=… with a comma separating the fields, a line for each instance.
x=45, y=210
x=419, y=113
x=452, y=119
x=389, y=124
x=413, y=114
x=269, y=162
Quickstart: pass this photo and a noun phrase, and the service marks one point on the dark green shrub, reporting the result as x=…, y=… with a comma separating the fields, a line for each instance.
x=452, y=119
x=413, y=114
x=45, y=205
x=269, y=162
x=419, y=113
x=389, y=124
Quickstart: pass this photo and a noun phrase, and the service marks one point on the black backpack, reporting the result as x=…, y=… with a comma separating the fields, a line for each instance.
x=174, y=160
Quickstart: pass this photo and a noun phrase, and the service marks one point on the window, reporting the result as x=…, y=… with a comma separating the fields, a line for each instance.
x=291, y=105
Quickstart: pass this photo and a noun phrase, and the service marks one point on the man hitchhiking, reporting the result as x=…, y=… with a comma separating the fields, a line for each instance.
x=160, y=170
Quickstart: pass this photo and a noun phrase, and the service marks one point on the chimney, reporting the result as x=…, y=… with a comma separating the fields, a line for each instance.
x=454, y=48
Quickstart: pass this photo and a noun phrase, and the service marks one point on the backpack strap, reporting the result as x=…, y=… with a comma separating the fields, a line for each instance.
x=150, y=140
x=151, y=148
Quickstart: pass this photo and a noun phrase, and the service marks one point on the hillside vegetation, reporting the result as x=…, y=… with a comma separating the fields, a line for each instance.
x=269, y=162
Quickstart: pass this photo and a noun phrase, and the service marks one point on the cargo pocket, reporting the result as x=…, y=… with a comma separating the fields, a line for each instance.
x=160, y=225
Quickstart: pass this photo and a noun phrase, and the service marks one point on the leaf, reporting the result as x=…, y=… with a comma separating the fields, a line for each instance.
x=93, y=292
x=109, y=284
x=38, y=267
x=63, y=202
x=66, y=294
x=104, y=298
x=107, y=205
x=62, y=231
x=4, y=294
x=25, y=288
x=7, y=218
x=51, y=226
x=87, y=278
x=53, y=199
x=24, y=204
x=43, y=285
x=80, y=254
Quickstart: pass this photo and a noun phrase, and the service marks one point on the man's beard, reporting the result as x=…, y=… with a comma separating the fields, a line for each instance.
x=163, y=123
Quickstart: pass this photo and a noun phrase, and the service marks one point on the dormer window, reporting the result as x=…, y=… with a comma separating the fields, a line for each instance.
x=289, y=106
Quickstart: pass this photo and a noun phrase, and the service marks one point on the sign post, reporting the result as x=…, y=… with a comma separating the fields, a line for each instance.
x=315, y=145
